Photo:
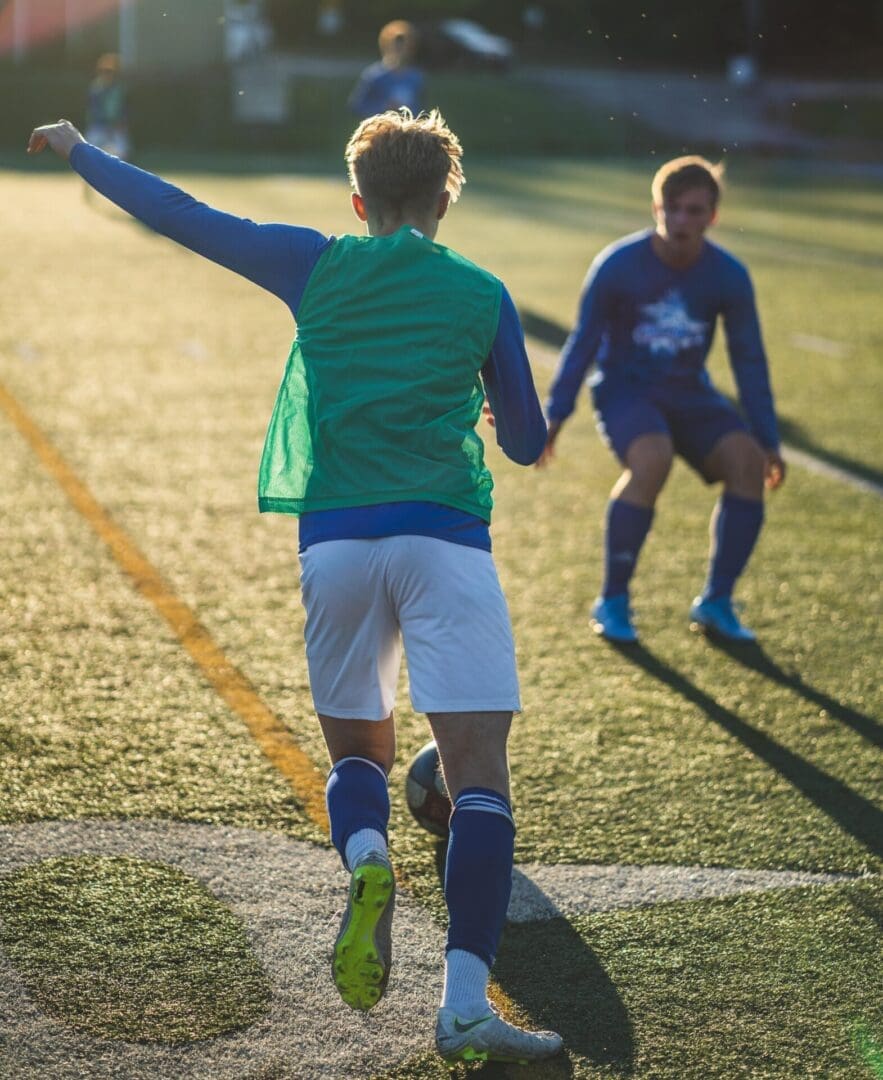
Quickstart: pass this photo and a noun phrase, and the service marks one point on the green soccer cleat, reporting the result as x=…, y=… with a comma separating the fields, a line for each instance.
x=490, y=1038
x=363, y=950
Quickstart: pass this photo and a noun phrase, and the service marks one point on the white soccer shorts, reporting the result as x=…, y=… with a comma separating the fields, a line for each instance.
x=364, y=598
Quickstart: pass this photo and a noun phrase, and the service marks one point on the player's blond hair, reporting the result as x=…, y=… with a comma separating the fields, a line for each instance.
x=397, y=42
x=685, y=173
x=396, y=160
x=108, y=63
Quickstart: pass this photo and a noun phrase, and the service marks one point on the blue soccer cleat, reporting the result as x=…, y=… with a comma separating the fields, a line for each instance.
x=717, y=618
x=612, y=619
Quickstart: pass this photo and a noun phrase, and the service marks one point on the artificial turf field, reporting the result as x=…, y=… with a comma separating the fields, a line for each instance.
x=153, y=373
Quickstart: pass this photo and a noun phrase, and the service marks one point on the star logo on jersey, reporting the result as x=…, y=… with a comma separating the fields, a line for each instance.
x=667, y=326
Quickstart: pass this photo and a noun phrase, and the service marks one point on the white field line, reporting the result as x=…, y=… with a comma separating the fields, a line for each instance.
x=289, y=895
x=544, y=356
x=546, y=892
x=833, y=472
x=825, y=346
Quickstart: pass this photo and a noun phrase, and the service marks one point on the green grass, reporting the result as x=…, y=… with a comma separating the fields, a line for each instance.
x=127, y=949
x=154, y=373
x=753, y=986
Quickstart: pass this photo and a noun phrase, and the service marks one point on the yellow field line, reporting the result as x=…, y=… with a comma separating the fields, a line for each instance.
x=268, y=731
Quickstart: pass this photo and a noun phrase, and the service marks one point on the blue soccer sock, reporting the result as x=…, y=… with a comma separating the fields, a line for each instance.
x=478, y=881
x=357, y=797
x=627, y=528
x=735, y=526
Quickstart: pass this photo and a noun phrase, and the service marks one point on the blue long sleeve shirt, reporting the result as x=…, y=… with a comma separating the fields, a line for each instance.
x=280, y=258
x=642, y=321
x=380, y=88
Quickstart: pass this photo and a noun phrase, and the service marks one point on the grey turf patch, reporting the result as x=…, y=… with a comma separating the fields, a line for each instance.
x=290, y=896
x=545, y=892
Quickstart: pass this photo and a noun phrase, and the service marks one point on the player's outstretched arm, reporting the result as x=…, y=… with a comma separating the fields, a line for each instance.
x=61, y=137
x=279, y=258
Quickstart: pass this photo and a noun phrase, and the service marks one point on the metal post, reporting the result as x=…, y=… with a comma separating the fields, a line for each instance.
x=19, y=30
x=72, y=25
x=128, y=49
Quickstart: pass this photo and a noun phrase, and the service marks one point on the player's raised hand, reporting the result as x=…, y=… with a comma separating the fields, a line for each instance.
x=548, y=453
x=61, y=137
x=774, y=470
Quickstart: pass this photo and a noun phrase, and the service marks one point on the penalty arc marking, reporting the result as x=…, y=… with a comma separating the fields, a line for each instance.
x=283, y=890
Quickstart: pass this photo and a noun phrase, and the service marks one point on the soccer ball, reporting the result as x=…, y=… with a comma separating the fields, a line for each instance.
x=426, y=792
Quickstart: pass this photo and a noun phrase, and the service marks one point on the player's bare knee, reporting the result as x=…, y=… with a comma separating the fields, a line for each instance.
x=472, y=747
x=744, y=470
x=648, y=475
x=372, y=739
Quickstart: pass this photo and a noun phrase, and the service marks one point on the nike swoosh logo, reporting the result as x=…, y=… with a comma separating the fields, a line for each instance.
x=460, y=1028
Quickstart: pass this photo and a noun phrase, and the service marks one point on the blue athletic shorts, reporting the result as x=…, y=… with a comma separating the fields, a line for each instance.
x=694, y=415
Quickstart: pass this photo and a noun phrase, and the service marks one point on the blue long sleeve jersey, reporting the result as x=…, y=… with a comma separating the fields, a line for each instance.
x=380, y=88
x=641, y=321
x=281, y=258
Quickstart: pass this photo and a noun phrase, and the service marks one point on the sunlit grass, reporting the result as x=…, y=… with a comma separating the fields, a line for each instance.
x=154, y=373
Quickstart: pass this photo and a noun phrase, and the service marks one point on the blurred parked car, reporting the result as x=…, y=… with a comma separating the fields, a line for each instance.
x=463, y=43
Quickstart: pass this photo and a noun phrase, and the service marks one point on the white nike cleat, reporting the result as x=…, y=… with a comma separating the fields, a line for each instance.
x=490, y=1038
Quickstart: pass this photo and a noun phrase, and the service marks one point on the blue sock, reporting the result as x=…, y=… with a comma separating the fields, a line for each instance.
x=627, y=528
x=357, y=797
x=735, y=526
x=478, y=873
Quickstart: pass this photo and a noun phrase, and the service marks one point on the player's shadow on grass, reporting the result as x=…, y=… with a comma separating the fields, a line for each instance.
x=797, y=435
x=752, y=656
x=854, y=814
x=548, y=970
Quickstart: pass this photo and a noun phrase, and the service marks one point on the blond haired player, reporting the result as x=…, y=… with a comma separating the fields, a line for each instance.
x=372, y=444
x=394, y=81
x=646, y=322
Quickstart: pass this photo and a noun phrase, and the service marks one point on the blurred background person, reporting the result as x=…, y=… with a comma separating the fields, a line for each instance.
x=329, y=19
x=394, y=80
x=107, y=123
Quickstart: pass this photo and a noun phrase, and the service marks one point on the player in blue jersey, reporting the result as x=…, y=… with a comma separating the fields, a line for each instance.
x=646, y=322
x=373, y=443
x=107, y=123
x=394, y=81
